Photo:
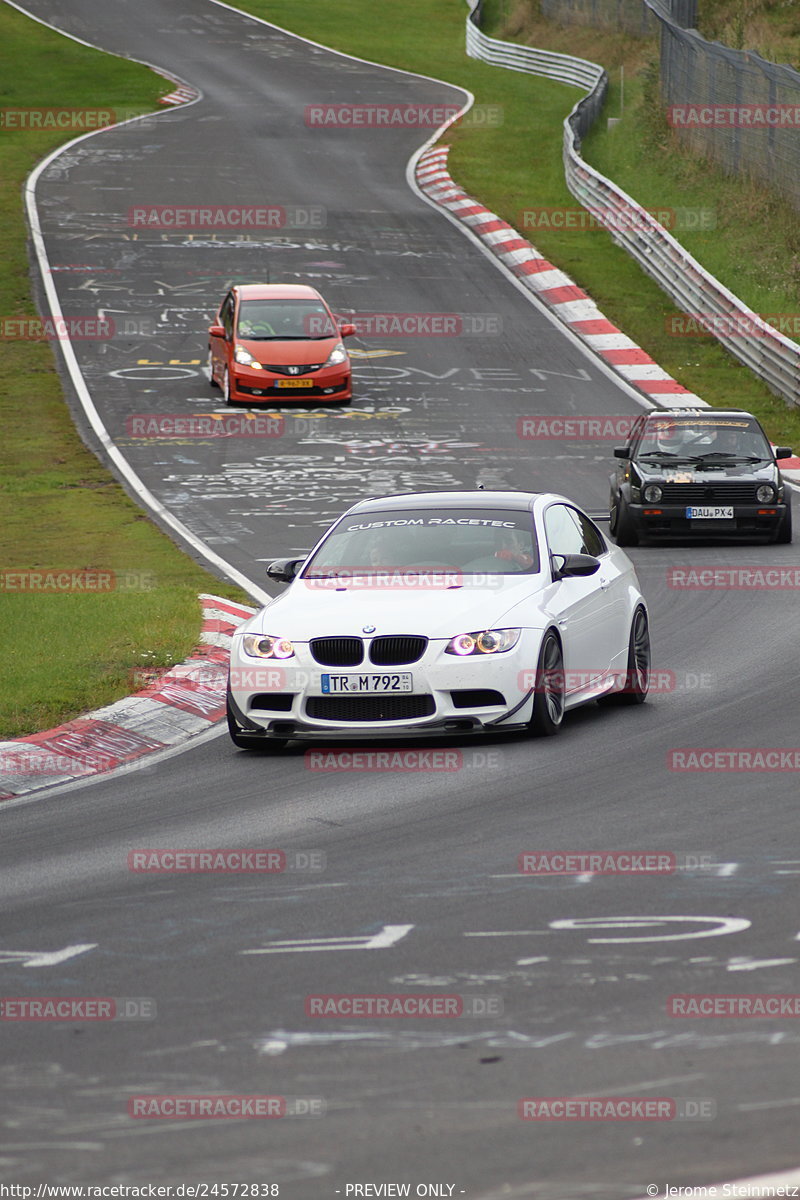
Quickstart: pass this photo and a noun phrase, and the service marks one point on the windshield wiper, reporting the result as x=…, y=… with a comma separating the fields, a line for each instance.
x=728, y=456
x=666, y=454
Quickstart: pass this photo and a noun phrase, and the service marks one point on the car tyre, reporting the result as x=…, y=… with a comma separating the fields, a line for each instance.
x=240, y=739
x=226, y=387
x=637, y=679
x=783, y=534
x=548, y=698
x=621, y=526
x=211, y=378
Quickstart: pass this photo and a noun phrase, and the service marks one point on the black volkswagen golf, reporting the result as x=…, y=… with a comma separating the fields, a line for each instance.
x=699, y=471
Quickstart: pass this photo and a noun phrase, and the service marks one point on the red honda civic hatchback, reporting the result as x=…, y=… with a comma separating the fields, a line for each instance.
x=278, y=342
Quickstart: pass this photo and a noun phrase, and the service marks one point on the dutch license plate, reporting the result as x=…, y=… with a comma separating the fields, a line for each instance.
x=348, y=684
x=298, y=383
x=709, y=513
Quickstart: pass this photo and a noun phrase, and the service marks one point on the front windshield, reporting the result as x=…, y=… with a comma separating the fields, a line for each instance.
x=271, y=320
x=691, y=438
x=491, y=541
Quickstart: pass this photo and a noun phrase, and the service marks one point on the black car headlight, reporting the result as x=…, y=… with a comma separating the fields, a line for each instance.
x=652, y=493
x=765, y=494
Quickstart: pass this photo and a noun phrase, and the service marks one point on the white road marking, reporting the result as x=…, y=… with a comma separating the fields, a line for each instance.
x=44, y=958
x=723, y=925
x=754, y=964
x=388, y=936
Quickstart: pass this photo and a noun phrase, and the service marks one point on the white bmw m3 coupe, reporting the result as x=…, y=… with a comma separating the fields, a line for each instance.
x=440, y=613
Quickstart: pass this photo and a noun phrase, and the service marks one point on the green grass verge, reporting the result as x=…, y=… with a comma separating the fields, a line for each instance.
x=518, y=166
x=59, y=508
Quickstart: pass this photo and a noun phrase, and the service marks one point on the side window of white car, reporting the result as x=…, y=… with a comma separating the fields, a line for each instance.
x=563, y=535
x=593, y=541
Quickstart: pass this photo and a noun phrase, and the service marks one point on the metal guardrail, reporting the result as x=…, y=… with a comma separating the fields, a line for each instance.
x=768, y=353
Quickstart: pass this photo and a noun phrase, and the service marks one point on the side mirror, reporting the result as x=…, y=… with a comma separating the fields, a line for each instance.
x=565, y=566
x=284, y=570
x=784, y=452
x=621, y=452
x=216, y=331
x=347, y=330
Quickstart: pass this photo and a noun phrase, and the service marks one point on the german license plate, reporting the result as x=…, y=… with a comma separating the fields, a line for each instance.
x=710, y=513
x=348, y=684
x=295, y=383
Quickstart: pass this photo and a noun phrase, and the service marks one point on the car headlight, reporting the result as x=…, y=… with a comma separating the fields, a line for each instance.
x=337, y=355
x=264, y=645
x=488, y=641
x=245, y=359
x=652, y=493
x=765, y=494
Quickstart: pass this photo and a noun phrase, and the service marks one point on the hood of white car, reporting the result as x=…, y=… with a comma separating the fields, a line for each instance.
x=307, y=610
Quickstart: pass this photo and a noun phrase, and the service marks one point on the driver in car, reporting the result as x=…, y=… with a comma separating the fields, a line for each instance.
x=726, y=442
x=515, y=546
